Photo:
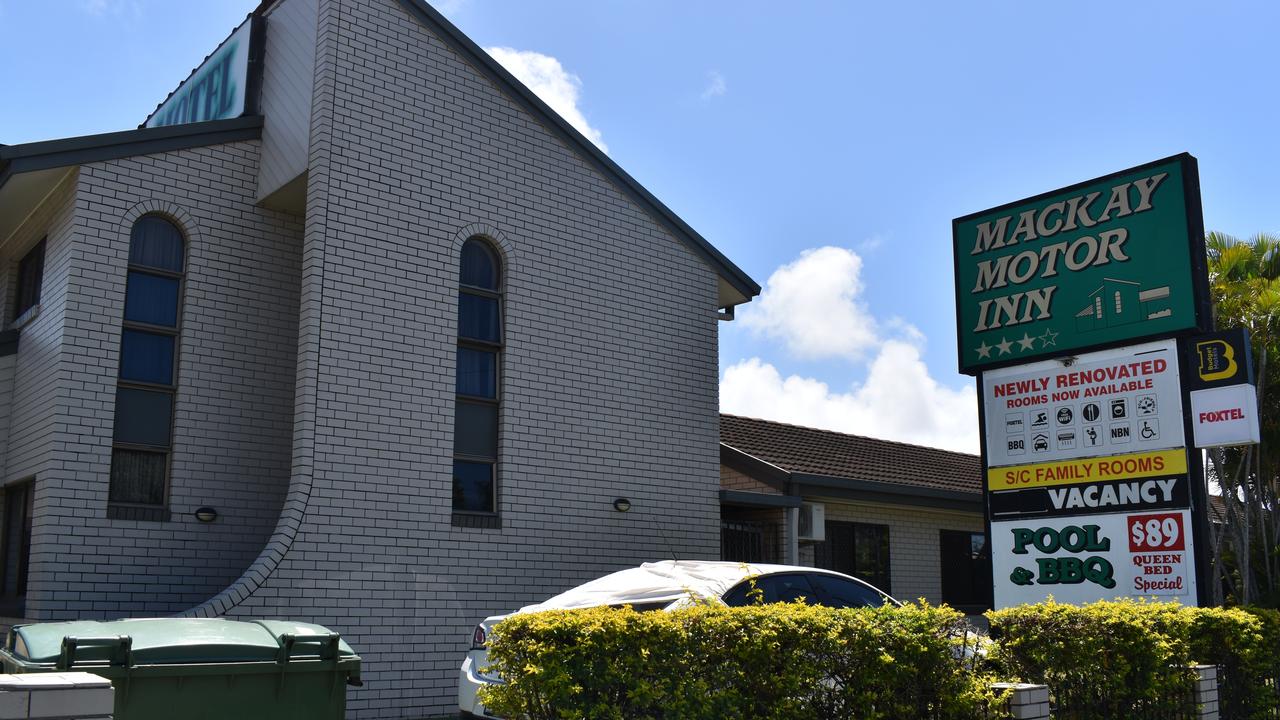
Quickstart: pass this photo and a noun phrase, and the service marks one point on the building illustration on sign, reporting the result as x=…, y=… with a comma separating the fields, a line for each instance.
x=1121, y=302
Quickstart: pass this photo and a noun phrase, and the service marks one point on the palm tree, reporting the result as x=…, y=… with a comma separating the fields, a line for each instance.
x=1244, y=284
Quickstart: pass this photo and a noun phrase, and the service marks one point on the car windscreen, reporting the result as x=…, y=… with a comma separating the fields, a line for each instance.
x=838, y=592
x=815, y=589
x=782, y=587
x=643, y=607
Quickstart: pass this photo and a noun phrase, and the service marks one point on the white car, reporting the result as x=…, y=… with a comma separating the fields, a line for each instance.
x=672, y=584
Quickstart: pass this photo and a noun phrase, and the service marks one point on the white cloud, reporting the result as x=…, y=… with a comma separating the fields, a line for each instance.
x=871, y=244
x=812, y=306
x=715, y=85
x=898, y=401
x=549, y=80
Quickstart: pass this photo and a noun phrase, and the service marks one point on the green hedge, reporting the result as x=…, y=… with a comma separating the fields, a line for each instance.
x=1135, y=655
x=778, y=661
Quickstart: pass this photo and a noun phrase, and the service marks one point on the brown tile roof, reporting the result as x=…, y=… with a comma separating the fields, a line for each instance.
x=802, y=450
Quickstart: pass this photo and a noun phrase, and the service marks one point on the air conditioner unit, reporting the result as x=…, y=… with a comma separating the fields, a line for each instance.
x=813, y=522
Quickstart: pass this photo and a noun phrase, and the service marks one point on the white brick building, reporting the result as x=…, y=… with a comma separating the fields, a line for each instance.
x=260, y=316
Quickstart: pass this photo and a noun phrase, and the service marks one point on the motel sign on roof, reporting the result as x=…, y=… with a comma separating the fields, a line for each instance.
x=1093, y=265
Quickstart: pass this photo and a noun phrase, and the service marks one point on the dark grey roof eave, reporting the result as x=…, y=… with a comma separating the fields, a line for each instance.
x=65, y=152
x=490, y=67
x=759, y=500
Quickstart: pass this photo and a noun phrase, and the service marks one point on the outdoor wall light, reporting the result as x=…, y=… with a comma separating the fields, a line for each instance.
x=622, y=504
x=206, y=514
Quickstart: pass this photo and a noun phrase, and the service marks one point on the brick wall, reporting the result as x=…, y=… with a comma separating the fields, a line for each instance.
x=731, y=479
x=38, y=383
x=914, y=558
x=609, y=368
x=8, y=364
x=232, y=423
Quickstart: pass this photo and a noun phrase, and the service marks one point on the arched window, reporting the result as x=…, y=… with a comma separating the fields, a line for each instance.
x=147, y=378
x=475, y=426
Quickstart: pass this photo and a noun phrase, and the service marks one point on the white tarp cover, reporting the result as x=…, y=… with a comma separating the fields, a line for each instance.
x=668, y=580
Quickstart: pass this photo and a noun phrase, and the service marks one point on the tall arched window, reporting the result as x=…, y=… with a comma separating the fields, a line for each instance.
x=148, y=376
x=475, y=426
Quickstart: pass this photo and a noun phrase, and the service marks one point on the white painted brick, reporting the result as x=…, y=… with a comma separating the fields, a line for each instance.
x=15, y=704
x=324, y=356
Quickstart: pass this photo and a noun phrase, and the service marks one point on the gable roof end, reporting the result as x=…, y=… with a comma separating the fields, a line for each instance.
x=736, y=286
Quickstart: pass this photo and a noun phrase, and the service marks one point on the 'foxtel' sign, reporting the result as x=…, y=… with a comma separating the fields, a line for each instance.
x=1108, y=402
x=1095, y=264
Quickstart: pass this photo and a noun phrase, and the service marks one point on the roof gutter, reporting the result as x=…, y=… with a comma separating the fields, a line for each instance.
x=28, y=157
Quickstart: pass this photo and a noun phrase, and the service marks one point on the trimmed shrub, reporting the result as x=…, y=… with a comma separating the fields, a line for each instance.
x=1134, y=656
x=1111, y=657
x=1245, y=644
x=782, y=661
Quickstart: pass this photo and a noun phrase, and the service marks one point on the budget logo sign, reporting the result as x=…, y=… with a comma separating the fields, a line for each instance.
x=1110, y=260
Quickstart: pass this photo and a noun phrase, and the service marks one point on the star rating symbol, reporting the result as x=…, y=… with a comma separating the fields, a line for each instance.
x=1004, y=346
x=1049, y=338
x=984, y=350
x=1027, y=342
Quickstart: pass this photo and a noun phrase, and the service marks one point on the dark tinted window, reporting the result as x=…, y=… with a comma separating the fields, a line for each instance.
x=30, y=279
x=479, y=267
x=478, y=318
x=145, y=391
x=838, y=592
x=137, y=477
x=143, y=416
x=477, y=372
x=156, y=243
x=475, y=421
x=475, y=429
x=151, y=299
x=857, y=549
x=741, y=595
x=966, y=571
x=472, y=486
x=786, y=587
x=146, y=357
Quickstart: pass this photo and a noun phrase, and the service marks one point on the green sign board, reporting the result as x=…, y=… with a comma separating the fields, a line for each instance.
x=1101, y=263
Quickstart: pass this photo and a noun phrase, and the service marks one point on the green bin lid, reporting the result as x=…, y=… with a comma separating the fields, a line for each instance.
x=158, y=641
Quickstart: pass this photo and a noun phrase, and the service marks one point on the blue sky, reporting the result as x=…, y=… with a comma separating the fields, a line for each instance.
x=823, y=146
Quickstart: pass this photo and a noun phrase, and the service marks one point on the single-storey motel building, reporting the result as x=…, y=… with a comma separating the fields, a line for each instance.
x=357, y=331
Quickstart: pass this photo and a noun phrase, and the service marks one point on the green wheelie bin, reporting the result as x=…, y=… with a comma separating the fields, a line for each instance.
x=196, y=668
